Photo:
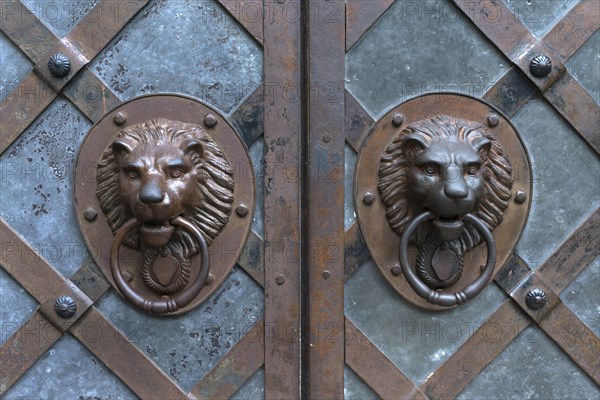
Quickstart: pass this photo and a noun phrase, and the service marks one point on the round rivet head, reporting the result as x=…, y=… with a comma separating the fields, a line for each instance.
x=326, y=138
x=326, y=274
x=536, y=299
x=65, y=307
x=540, y=66
x=241, y=211
x=280, y=279
x=59, y=65
x=368, y=198
x=396, y=270
x=209, y=279
x=90, y=214
x=493, y=120
x=398, y=120
x=520, y=197
x=210, y=121
x=119, y=118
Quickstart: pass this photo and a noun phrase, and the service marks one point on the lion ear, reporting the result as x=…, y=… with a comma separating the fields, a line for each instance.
x=411, y=141
x=482, y=145
x=192, y=144
x=121, y=148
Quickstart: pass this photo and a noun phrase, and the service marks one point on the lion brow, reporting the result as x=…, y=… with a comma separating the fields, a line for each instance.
x=176, y=162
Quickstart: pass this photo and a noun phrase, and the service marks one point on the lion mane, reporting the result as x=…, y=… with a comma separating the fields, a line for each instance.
x=211, y=213
x=395, y=166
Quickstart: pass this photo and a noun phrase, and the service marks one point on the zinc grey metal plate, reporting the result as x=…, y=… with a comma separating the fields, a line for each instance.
x=14, y=65
x=408, y=53
x=539, y=15
x=16, y=306
x=69, y=371
x=566, y=172
x=60, y=16
x=356, y=389
x=37, y=190
x=253, y=389
x=188, y=47
x=583, y=297
x=531, y=367
x=187, y=346
x=585, y=65
x=416, y=340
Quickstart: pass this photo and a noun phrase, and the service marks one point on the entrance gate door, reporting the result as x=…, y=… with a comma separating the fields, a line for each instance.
x=305, y=312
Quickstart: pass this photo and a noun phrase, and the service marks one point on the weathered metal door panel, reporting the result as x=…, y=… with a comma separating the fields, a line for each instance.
x=305, y=312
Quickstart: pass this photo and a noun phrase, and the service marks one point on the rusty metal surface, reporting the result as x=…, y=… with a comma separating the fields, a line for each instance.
x=356, y=253
x=249, y=13
x=360, y=16
x=240, y=363
x=252, y=258
x=248, y=118
x=132, y=366
x=358, y=122
x=91, y=96
x=382, y=241
x=376, y=369
x=510, y=92
x=225, y=248
x=24, y=348
x=476, y=353
x=511, y=36
x=282, y=140
x=324, y=227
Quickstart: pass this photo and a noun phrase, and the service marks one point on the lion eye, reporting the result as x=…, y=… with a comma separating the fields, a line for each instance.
x=176, y=173
x=132, y=174
x=472, y=169
x=430, y=169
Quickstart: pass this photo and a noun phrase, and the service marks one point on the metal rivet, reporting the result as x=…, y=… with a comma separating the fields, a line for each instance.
x=280, y=279
x=536, y=299
x=65, y=307
x=520, y=197
x=327, y=138
x=368, y=198
x=398, y=120
x=90, y=214
x=119, y=118
x=210, y=121
x=209, y=279
x=493, y=120
x=59, y=65
x=128, y=276
x=241, y=211
x=396, y=270
x=326, y=274
x=540, y=66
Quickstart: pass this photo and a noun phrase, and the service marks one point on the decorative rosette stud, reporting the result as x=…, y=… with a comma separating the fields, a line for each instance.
x=540, y=66
x=65, y=307
x=59, y=65
x=536, y=299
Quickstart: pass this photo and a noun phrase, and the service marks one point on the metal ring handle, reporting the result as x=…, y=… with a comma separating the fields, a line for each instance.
x=441, y=298
x=169, y=304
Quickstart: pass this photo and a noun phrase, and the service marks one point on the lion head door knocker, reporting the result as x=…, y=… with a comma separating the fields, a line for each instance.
x=163, y=192
x=452, y=182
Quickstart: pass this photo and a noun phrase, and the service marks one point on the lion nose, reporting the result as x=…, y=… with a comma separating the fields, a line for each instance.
x=151, y=193
x=456, y=189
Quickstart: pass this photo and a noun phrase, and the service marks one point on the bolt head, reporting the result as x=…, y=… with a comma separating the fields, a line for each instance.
x=398, y=120
x=280, y=279
x=493, y=120
x=536, y=299
x=368, y=198
x=210, y=121
x=90, y=214
x=326, y=138
x=119, y=118
x=520, y=197
x=65, y=307
x=396, y=270
x=59, y=65
x=242, y=211
x=540, y=66
x=326, y=274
